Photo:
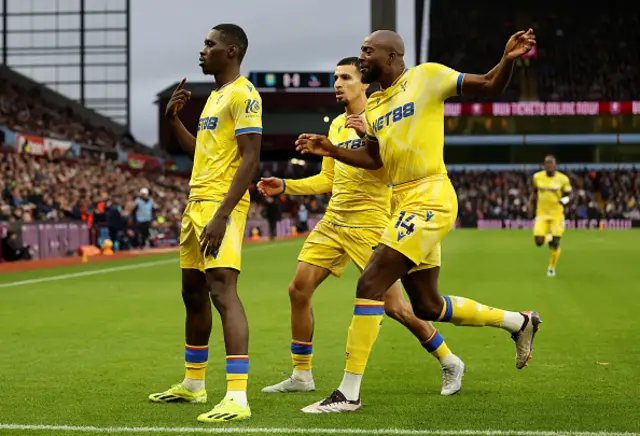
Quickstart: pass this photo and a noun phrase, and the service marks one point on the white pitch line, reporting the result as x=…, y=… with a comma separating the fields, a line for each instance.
x=86, y=273
x=117, y=268
x=364, y=431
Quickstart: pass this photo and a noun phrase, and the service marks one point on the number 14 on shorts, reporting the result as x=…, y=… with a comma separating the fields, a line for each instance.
x=404, y=225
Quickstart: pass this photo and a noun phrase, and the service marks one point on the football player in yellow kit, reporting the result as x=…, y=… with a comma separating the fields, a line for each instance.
x=405, y=136
x=551, y=192
x=350, y=229
x=226, y=156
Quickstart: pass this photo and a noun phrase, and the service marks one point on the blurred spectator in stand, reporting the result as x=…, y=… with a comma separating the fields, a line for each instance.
x=273, y=214
x=144, y=217
x=303, y=219
x=12, y=249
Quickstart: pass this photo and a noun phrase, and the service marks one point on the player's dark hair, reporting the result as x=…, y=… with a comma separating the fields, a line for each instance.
x=350, y=61
x=235, y=35
x=550, y=156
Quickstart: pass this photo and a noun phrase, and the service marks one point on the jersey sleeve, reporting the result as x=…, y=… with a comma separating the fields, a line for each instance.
x=246, y=111
x=444, y=81
x=319, y=184
x=566, y=185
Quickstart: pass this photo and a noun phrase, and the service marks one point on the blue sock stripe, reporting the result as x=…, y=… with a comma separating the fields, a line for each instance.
x=368, y=310
x=237, y=366
x=434, y=343
x=449, y=312
x=301, y=349
x=196, y=355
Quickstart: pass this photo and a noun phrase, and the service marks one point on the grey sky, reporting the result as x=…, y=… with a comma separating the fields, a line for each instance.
x=303, y=35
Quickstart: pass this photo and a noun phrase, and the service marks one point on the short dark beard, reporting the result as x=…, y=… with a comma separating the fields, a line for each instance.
x=343, y=102
x=371, y=76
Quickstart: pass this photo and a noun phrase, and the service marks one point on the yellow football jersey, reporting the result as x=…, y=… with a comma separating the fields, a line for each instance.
x=550, y=190
x=359, y=197
x=407, y=119
x=232, y=110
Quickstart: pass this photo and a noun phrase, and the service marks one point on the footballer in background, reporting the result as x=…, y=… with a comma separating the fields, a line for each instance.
x=551, y=192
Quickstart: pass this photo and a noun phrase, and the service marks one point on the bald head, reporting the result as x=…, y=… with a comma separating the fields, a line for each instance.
x=388, y=40
x=382, y=57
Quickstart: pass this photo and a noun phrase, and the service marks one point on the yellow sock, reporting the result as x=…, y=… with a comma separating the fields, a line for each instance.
x=237, y=373
x=555, y=254
x=363, y=331
x=436, y=346
x=301, y=354
x=195, y=360
x=463, y=311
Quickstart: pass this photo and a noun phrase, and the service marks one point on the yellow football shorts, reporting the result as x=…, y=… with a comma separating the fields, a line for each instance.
x=424, y=211
x=330, y=246
x=545, y=224
x=195, y=218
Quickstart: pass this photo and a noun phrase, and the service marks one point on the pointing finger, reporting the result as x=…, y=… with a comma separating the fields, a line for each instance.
x=181, y=84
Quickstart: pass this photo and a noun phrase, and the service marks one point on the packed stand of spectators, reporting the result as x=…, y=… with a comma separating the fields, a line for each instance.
x=101, y=194
x=139, y=208
x=471, y=39
x=27, y=112
x=590, y=54
x=595, y=57
x=507, y=194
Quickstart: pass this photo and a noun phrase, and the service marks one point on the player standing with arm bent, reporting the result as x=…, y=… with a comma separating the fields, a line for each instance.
x=226, y=157
x=350, y=229
x=405, y=134
x=551, y=192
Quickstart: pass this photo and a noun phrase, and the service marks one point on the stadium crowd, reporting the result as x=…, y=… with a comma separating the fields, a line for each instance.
x=593, y=58
x=105, y=195
x=506, y=195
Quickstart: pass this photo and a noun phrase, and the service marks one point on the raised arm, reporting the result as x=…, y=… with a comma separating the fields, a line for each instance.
x=495, y=82
x=178, y=99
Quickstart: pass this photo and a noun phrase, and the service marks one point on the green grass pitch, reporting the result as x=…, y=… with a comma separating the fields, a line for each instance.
x=87, y=350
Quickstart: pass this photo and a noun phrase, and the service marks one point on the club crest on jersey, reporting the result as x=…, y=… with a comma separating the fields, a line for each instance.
x=339, y=129
x=429, y=216
x=219, y=98
x=404, y=85
x=396, y=115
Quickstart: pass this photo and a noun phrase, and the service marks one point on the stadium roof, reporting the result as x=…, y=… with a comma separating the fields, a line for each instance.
x=61, y=101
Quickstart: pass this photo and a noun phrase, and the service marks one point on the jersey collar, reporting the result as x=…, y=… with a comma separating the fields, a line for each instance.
x=395, y=82
x=229, y=83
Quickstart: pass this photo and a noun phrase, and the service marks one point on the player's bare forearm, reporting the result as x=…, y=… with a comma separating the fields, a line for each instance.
x=367, y=157
x=185, y=139
x=491, y=84
x=250, y=150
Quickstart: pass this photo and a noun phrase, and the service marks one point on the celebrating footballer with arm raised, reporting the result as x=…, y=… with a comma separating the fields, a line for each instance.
x=225, y=155
x=405, y=135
